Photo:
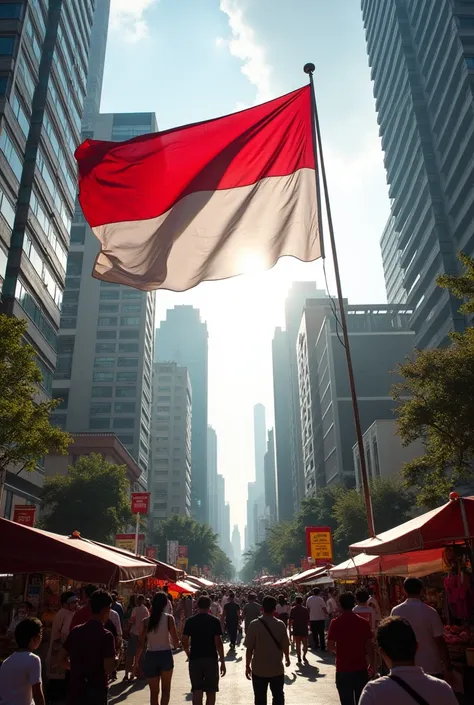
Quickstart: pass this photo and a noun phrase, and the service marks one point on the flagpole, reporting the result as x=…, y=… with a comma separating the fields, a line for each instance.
x=318, y=152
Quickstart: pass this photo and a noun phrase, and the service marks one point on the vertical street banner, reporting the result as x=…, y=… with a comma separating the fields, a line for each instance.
x=172, y=552
x=140, y=502
x=24, y=514
x=183, y=551
x=182, y=563
x=151, y=552
x=319, y=544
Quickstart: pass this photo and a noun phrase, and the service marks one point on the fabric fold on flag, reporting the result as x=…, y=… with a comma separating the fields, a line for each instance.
x=194, y=203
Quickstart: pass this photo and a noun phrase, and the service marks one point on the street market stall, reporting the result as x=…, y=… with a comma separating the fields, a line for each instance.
x=417, y=564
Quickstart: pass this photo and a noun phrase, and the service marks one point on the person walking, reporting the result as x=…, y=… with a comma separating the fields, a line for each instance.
x=117, y=607
x=332, y=605
x=317, y=615
x=139, y=613
x=60, y=628
x=204, y=630
x=231, y=617
x=350, y=637
x=406, y=683
x=157, y=637
x=267, y=643
x=283, y=609
x=89, y=652
x=299, y=624
x=432, y=654
x=363, y=610
x=20, y=674
x=252, y=610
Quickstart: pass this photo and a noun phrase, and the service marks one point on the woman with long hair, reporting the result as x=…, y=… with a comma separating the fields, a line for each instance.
x=283, y=609
x=158, y=636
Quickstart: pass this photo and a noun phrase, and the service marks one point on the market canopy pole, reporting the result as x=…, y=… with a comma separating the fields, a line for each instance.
x=318, y=149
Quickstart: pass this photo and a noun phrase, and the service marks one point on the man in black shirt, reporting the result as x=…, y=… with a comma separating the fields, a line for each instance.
x=231, y=616
x=205, y=632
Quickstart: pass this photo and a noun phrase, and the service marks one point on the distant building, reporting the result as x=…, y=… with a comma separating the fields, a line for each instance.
x=380, y=338
x=260, y=440
x=183, y=338
x=170, y=463
x=236, y=547
x=270, y=480
x=252, y=515
x=392, y=267
x=384, y=453
x=212, y=478
x=421, y=54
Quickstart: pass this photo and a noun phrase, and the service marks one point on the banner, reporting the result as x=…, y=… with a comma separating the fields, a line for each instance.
x=24, y=514
x=151, y=552
x=172, y=552
x=127, y=541
x=140, y=502
x=182, y=563
x=182, y=551
x=195, y=570
x=319, y=544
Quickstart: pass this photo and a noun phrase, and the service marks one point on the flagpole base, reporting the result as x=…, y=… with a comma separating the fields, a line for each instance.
x=309, y=68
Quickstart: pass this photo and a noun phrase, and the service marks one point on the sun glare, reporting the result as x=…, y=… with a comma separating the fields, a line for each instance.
x=253, y=263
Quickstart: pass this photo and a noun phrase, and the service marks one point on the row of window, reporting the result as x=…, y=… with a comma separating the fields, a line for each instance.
x=107, y=321
x=6, y=209
x=119, y=376
x=49, y=230
x=114, y=294
x=29, y=305
x=114, y=308
x=107, y=423
x=72, y=65
x=35, y=44
x=108, y=392
x=112, y=347
x=11, y=155
x=51, y=183
x=120, y=407
x=11, y=11
x=68, y=92
x=123, y=334
x=56, y=101
x=25, y=73
x=20, y=114
x=59, y=152
x=113, y=361
x=42, y=269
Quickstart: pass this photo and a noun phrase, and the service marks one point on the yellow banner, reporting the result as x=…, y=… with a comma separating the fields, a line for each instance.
x=182, y=563
x=321, y=546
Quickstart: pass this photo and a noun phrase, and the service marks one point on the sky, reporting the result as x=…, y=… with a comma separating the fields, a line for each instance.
x=191, y=60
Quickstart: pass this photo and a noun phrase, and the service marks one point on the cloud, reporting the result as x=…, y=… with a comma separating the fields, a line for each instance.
x=220, y=42
x=245, y=46
x=128, y=18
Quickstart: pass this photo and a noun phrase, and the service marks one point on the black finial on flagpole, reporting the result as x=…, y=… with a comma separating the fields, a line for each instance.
x=309, y=68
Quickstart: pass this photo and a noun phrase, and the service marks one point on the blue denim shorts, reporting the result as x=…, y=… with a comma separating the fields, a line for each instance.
x=156, y=662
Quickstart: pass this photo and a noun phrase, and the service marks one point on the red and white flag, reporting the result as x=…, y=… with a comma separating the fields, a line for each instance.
x=192, y=204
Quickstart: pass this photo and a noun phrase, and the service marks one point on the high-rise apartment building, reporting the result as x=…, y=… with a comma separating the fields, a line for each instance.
x=421, y=53
x=392, y=268
x=183, y=338
x=105, y=347
x=259, y=444
x=212, y=478
x=380, y=338
x=44, y=58
x=270, y=480
x=252, y=515
x=220, y=509
x=236, y=547
x=169, y=477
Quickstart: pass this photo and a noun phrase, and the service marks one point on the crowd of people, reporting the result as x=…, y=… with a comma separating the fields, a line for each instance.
x=87, y=645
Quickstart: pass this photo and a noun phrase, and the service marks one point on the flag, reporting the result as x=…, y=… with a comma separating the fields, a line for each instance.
x=192, y=204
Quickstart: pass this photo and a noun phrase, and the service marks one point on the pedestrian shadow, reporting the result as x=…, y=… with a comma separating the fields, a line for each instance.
x=311, y=673
x=290, y=681
x=232, y=656
x=120, y=691
x=325, y=657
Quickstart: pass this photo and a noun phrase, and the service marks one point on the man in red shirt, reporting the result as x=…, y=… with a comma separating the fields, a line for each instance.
x=350, y=637
x=82, y=615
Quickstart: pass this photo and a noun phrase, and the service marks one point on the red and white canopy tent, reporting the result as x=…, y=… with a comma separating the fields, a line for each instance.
x=441, y=527
x=415, y=564
x=201, y=583
x=163, y=571
x=27, y=550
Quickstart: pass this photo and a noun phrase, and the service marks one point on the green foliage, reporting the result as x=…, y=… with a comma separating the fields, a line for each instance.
x=437, y=405
x=199, y=538
x=343, y=510
x=25, y=432
x=93, y=498
x=222, y=567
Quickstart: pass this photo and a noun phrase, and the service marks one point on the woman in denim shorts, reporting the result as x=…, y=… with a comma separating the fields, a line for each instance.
x=158, y=636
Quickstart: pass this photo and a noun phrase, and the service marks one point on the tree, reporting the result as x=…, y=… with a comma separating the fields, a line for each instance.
x=222, y=567
x=437, y=405
x=258, y=561
x=25, y=431
x=93, y=498
x=199, y=538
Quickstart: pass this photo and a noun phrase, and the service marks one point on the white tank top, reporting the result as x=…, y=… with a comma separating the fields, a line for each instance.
x=159, y=639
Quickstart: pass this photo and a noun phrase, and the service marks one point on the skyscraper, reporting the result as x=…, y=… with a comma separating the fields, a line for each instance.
x=212, y=478
x=259, y=442
x=44, y=50
x=221, y=510
x=105, y=349
x=236, y=547
x=170, y=465
x=423, y=85
x=183, y=338
x=282, y=404
x=270, y=480
x=252, y=515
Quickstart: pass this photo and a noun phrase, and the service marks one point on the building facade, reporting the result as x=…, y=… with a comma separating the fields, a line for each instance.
x=392, y=268
x=270, y=480
x=169, y=478
x=281, y=402
x=182, y=337
x=384, y=453
x=105, y=347
x=421, y=54
x=380, y=338
x=212, y=478
x=259, y=444
x=44, y=60
x=236, y=548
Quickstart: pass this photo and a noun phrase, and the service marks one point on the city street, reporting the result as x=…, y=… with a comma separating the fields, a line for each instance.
x=304, y=685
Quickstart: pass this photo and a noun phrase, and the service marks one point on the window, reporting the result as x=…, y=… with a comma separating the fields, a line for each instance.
x=101, y=408
x=467, y=21
x=108, y=285
x=129, y=334
x=103, y=377
x=104, y=362
x=124, y=423
x=8, y=504
x=74, y=264
x=11, y=11
x=128, y=347
x=66, y=345
x=131, y=308
x=3, y=84
x=105, y=347
x=19, y=112
x=132, y=294
x=128, y=362
x=130, y=321
x=7, y=210
x=78, y=235
x=126, y=440
x=29, y=305
x=103, y=321
x=7, y=45
x=126, y=376
x=102, y=392
x=375, y=449
x=106, y=334
x=109, y=295
x=470, y=62
x=63, y=396
x=99, y=423
x=125, y=392
x=124, y=407
x=108, y=308
x=174, y=510
x=11, y=155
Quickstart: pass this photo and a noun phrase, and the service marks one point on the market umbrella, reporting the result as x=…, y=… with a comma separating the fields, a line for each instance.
x=200, y=582
x=27, y=550
x=309, y=575
x=163, y=571
x=451, y=523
